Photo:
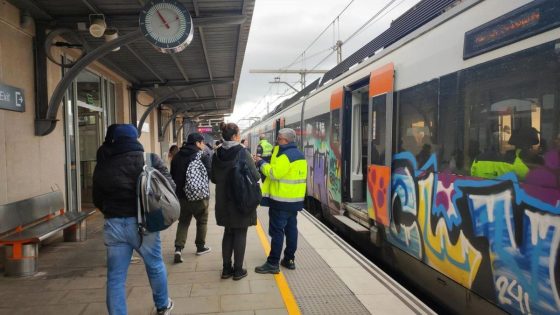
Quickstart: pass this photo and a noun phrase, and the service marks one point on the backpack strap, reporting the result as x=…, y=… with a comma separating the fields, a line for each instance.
x=140, y=213
x=148, y=159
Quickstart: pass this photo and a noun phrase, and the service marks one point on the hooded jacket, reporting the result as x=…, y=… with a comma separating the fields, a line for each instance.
x=223, y=162
x=116, y=174
x=181, y=162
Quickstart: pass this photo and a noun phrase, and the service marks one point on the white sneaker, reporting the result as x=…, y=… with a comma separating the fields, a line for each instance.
x=167, y=310
x=135, y=260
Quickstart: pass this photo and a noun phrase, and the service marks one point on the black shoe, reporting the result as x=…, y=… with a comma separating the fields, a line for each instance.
x=288, y=263
x=178, y=258
x=239, y=274
x=267, y=268
x=203, y=250
x=227, y=272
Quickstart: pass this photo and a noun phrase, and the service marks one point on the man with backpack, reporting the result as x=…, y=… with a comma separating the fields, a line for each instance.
x=283, y=192
x=115, y=178
x=191, y=205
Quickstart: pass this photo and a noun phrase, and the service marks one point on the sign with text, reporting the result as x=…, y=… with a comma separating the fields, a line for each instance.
x=529, y=20
x=11, y=98
x=204, y=129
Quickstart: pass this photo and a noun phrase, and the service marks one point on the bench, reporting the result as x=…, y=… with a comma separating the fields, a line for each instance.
x=25, y=223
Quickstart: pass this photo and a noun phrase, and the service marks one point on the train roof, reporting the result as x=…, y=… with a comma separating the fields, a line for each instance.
x=422, y=13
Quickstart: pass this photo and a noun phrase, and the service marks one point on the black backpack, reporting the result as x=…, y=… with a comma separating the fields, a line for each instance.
x=245, y=188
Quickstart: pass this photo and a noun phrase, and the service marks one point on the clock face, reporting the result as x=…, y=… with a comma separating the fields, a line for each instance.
x=167, y=25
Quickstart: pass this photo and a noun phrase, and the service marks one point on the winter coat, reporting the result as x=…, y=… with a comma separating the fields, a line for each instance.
x=181, y=162
x=222, y=163
x=115, y=179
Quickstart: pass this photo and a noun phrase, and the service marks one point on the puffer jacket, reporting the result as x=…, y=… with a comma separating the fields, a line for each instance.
x=115, y=179
x=222, y=163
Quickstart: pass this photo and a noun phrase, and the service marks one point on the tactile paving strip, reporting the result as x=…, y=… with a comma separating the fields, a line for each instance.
x=316, y=287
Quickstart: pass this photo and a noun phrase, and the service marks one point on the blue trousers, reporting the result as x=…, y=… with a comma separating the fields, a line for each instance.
x=282, y=223
x=121, y=237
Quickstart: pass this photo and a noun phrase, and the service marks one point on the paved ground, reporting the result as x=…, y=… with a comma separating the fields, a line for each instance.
x=72, y=280
x=329, y=279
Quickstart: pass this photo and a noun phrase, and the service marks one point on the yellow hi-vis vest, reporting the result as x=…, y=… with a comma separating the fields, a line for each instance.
x=286, y=177
x=494, y=169
x=266, y=148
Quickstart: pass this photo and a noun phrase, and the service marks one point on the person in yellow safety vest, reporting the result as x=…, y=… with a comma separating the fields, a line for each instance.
x=264, y=151
x=492, y=164
x=283, y=192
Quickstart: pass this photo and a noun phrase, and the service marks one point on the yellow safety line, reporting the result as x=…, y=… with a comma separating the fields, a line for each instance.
x=287, y=295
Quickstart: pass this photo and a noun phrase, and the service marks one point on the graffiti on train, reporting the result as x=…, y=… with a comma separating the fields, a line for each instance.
x=323, y=181
x=482, y=233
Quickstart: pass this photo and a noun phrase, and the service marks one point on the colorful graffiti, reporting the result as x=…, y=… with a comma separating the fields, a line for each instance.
x=323, y=180
x=379, y=178
x=464, y=226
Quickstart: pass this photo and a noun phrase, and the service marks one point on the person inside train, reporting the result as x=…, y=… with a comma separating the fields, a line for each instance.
x=492, y=164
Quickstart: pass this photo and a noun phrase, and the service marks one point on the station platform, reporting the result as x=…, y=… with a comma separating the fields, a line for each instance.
x=330, y=278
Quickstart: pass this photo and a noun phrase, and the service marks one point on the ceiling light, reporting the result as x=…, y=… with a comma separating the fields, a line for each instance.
x=112, y=34
x=97, y=25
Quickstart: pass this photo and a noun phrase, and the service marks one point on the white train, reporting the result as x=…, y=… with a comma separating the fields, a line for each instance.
x=436, y=148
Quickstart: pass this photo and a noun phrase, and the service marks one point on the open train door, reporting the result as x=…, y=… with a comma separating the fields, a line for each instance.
x=381, y=85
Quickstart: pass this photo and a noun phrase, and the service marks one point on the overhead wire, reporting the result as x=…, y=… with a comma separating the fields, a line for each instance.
x=376, y=17
x=319, y=36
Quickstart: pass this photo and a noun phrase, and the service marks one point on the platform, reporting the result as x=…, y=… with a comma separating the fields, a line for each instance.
x=331, y=278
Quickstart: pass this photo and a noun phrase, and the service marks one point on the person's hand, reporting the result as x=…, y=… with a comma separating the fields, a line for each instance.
x=257, y=158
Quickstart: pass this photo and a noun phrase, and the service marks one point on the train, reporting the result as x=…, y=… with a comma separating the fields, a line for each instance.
x=393, y=133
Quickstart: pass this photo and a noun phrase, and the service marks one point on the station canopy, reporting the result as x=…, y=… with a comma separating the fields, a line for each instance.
x=221, y=30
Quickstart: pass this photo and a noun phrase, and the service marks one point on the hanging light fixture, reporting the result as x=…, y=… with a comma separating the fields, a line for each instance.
x=112, y=34
x=97, y=25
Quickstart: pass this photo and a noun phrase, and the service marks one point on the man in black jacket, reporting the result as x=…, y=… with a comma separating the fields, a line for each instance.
x=120, y=162
x=198, y=208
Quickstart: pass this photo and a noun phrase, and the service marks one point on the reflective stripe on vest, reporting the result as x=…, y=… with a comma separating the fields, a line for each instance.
x=286, y=181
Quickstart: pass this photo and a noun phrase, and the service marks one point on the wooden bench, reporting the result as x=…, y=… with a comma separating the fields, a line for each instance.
x=25, y=223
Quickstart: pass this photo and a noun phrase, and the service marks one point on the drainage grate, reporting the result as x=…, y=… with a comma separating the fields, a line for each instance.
x=316, y=287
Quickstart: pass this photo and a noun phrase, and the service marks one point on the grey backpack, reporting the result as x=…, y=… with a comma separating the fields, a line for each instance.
x=158, y=206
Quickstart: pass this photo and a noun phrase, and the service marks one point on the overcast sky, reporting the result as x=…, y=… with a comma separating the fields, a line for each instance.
x=282, y=29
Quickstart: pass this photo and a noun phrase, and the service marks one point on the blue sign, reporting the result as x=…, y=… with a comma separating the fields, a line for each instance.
x=11, y=98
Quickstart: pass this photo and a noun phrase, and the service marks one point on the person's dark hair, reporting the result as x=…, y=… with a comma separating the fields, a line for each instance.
x=173, y=150
x=228, y=130
x=242, y=141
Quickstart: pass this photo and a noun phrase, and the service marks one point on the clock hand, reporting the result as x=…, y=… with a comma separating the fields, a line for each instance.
x=162, y=19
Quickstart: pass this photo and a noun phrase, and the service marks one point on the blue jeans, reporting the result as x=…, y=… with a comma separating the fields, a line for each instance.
x=282, y=223
x=121, y=237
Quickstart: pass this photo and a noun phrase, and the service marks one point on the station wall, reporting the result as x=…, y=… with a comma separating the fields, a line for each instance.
x=31, y=165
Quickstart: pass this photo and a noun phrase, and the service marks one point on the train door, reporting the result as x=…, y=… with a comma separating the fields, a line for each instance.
x=380, y=148
x=355, y=153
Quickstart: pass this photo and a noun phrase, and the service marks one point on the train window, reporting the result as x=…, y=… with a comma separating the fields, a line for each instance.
x=417, y=108
x=378, y=116
x=512, y=112
x=451, y=155
x=335, y=125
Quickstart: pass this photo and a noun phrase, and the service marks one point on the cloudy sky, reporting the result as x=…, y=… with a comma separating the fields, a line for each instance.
x=282, y=30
